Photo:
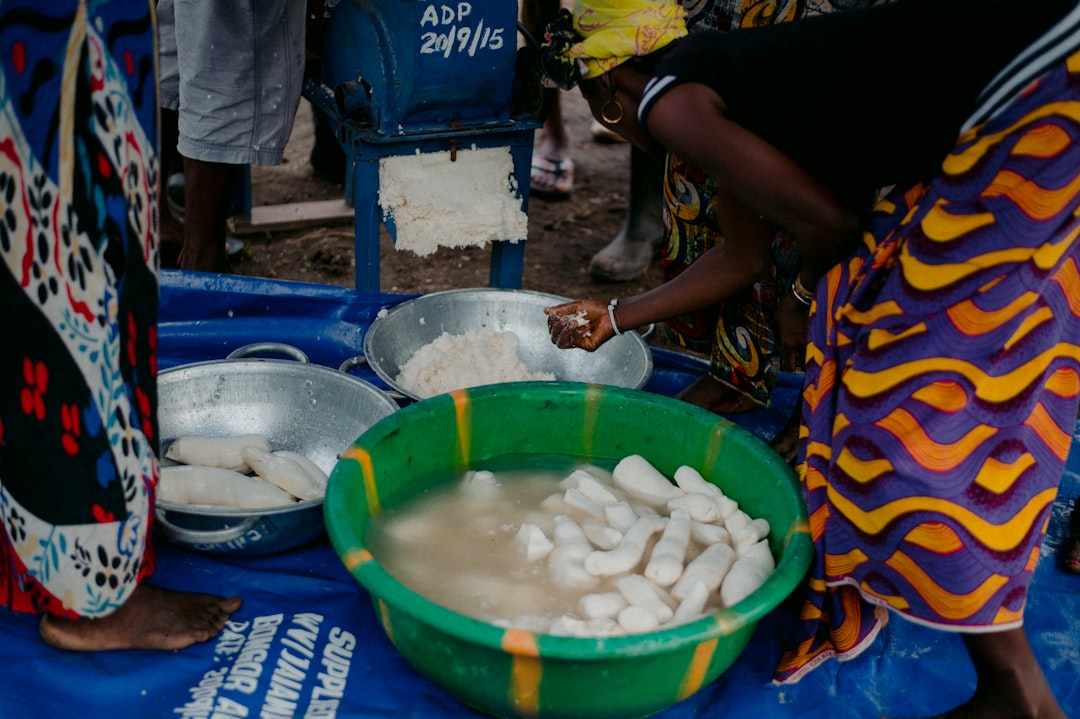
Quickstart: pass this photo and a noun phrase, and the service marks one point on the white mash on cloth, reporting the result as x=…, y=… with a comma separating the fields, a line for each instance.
x=450, y=362
x=465, y=202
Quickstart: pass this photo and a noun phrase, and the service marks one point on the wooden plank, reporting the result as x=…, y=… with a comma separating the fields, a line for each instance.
x=292, y=216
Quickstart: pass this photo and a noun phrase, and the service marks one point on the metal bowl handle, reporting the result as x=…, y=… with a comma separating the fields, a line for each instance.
x=275, y=347
x=355, y=361
x=352, y=363
x=208, y=537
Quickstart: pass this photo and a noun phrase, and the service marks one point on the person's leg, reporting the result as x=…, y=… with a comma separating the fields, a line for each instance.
x=552, y=175
x=552, y=141
x=171, y=192
x=227, y=120
x=171, y=189
x=208, y=186
x=171, y=161
x=629, y=254
x=328, y=159
x=1010, y=683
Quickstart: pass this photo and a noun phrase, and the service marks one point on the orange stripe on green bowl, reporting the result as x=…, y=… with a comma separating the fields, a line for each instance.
x=594, y=394
x=464, y=426
x=361, y=456
x=384, y=619
x=699, y=668
x=799, y=526
x=520, y=642
x=355, y=557
x=526, y=670
x=716, y=443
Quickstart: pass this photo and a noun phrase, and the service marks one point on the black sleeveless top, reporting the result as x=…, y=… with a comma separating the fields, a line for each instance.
x=864, y=98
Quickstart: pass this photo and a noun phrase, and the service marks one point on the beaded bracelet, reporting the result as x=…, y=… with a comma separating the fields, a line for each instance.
x=802, y=294
x=611, y=315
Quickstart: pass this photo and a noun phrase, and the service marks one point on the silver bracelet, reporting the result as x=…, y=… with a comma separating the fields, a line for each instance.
x=803, y=295
x=611, y=315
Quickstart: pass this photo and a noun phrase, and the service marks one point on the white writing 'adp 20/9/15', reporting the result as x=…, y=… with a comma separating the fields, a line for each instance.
x=454, y=31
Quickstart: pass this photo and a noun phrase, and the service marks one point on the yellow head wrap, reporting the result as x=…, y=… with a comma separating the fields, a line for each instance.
x=616, y=30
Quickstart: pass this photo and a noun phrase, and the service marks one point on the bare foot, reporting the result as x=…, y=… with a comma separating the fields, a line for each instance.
x=710, y=393
x=1010, y=683
x=153, y=618
x=993, y=708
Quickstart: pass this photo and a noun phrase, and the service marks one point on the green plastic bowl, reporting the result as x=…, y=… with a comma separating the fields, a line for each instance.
x=515, y=673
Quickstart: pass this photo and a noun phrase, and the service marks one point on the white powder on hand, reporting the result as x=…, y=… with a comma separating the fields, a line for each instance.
x=478, y=357
x=466, y=202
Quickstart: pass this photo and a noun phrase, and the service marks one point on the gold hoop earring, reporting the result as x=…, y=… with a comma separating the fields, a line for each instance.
x=611, y=112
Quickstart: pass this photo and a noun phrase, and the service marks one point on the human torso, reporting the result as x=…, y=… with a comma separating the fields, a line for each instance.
x=868, y=97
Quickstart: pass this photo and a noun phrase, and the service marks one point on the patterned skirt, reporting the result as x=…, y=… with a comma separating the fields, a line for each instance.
x=78, y=303
x=943, y=375
x=739, y=334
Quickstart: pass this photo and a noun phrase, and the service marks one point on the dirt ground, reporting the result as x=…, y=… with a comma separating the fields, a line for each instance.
x=562, y=236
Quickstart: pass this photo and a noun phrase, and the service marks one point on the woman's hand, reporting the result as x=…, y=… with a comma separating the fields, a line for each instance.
x=792, y=316
x=581, y=323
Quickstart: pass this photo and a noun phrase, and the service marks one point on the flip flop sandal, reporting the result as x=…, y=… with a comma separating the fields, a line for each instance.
x=552, y=179
x=233, y=247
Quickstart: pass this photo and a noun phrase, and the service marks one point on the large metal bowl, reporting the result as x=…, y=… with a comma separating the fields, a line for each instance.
x=394, y=337
x=300, y=407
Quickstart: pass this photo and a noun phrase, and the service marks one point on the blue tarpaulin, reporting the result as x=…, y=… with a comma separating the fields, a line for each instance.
x=307, y=642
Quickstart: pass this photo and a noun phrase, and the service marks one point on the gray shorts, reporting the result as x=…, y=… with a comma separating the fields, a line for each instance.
x=234, y=70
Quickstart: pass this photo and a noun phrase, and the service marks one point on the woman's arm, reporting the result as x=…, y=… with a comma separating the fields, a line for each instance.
x=717, y=275
x=691, y=121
